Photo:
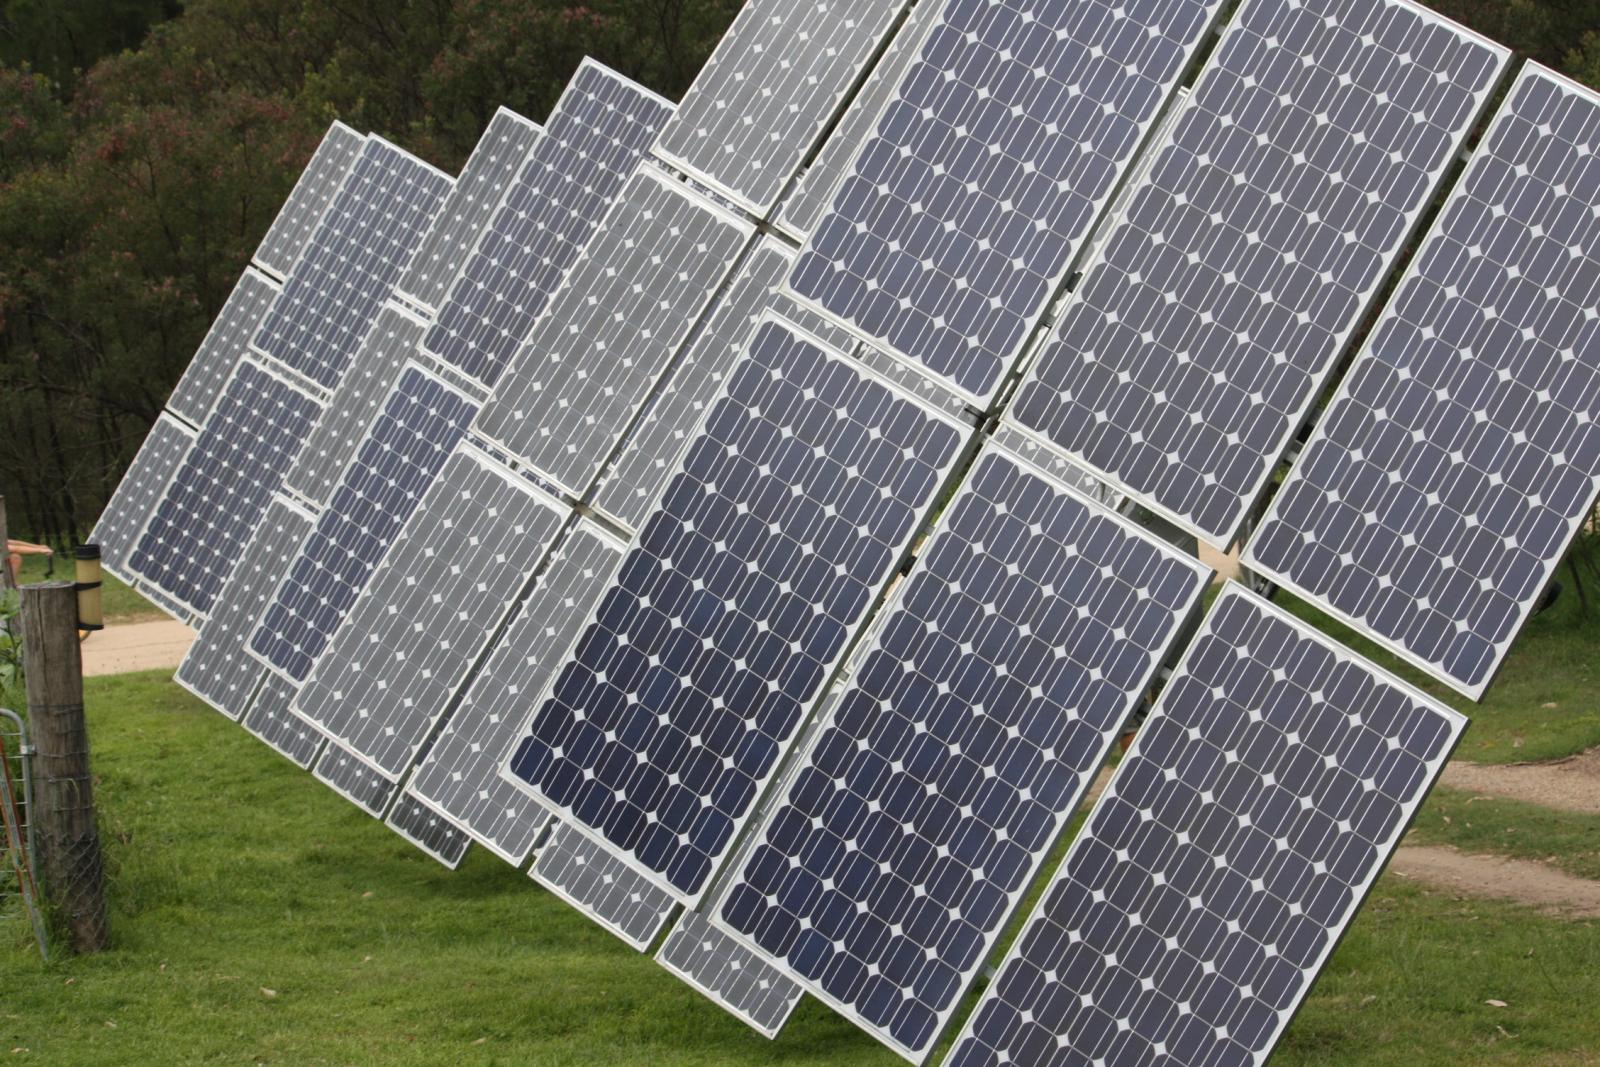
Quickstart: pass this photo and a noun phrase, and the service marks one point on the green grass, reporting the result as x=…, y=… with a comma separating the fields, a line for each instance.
x=119, y=601
x=1475, y=823
x=232, y=872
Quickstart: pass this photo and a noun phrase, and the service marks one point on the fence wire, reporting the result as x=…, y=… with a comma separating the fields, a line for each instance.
x=19, y=898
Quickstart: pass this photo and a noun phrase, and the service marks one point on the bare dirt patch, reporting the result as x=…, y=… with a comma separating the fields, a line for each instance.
x=1520, y=881
x=1571, y=784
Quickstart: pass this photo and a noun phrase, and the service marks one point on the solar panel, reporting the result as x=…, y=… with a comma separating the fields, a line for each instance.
x=611, y=332
x=421, y=421
x=217, y=496
x=430, y=607
x=1461, y=454
x=594, y=137
x=354, y=779
x=217, y=668
x=225, y=344
x=1294, y=177
x=963, y=212
x=394, y=338
x=976, y=717
x=269, y=719
x=489, y=171
x=369, y=234
x=325, y=172
x=1228, y=854
x=143, y=485
x=740, y=981
x=629, y=489
x=458, y=776
x=734, y=605
x=767, y=94
x=428, y=831
x=594, y=881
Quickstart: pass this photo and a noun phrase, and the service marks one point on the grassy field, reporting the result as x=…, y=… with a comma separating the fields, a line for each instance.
x=257, y=918
x=119, y=601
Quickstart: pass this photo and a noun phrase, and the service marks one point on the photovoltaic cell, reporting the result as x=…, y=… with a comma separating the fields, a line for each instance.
x=494, y=163
x=1293, y=178
x=769, y=91
x=142, y=487
x=593, y=880
x=964, y=210
x=459, y=776
x=219, y=492
x=217, y=668
x=1004, y=669
x=354, y=779
x=432, y=604
x=1461, y=454
x=270, y=720
x=1231, y=849
x=369, y=234
x=418, y=428
x=594, y=137
x=325, y=172
x=735, y=603
x=225, y=344
x=613, y=329
x=736, y=979
x=628, y=491
x=428, y=831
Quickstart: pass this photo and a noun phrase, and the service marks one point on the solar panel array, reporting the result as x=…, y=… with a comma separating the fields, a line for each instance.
x=735, y=977
x=297, y=220
x=225, y=344
x=268, y=718
x=596, y=882
x=354, y=779
x=141, y=489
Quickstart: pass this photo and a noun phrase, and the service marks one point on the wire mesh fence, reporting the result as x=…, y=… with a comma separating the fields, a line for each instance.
x=20, y=915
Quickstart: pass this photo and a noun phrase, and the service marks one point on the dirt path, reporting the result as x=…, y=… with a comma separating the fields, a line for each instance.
x=1519, y=881
x=1571, y=784
x=136, y=646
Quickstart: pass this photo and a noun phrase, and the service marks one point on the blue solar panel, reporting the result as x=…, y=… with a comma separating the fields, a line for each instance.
x=1228, y=854
x=365, y=240
x=1008, y=663
x=396, y=462
x=315, y=189
x=143, y=485
x=595, y=136
x=217, y=496
x=1295, y=173
x=1462, y=453
x=735, y=603
x=964, y=211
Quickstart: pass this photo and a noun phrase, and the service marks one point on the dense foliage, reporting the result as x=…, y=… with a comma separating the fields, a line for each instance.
x=134, y=183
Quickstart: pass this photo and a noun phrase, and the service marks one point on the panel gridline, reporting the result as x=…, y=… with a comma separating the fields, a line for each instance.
x=606, y=338
x=313, y=191
x=142, y=487
x=421, y=422
x=1461, y=455
x=489, y=171
x=269, y=719
x=629, y=489
x=594, y=137
x=432, y=604
x=737, y=599
x=365, y=240
x=735, y=978
x=225, y=343
x=988, y=698
x=1231, y=849
x=217, y=496
x=218, y=668
x=775, y=81
x=593, y=880
x=963, y=212
x=1294, y=175
x=459, y=775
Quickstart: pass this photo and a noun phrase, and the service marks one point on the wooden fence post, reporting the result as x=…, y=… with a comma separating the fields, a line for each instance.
x=7, y=579
x=69, y=843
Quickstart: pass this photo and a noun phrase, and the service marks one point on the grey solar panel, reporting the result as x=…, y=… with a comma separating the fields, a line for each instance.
x=1230, y=851
x=225, y=344
x=489, y=171
x=736, y=601
x=459, y=775
x=269, y=719
x=143, y=485
x=738, y=980
x=217, y=668
x=219, y=492
x=368, y=235
x=594, y=881
x=1461, y=454
x=769, y=91
x=594, y=137
x=428, y=831
x=354, y=779
x=1295, y=174
x=613, y=329
x=962, y=214
x=628, y=490
x=420, y=622
x=325, y=172
x=912, y=822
